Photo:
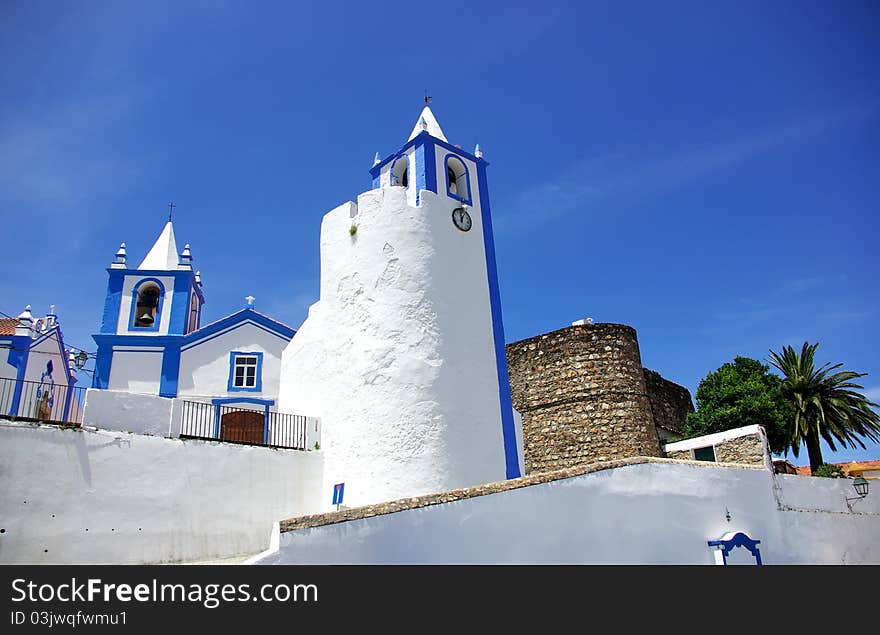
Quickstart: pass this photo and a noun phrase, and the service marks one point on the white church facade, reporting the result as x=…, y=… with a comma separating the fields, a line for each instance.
x=38, y=374
x=401, y=360
x=152, y=341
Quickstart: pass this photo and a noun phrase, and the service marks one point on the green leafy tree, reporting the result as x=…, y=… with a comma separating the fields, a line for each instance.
x=739, y=394
x=826, y=403
x=829, y=470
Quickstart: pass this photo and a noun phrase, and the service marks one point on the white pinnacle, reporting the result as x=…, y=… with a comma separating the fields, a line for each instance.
x=163, y=255
x=427, y=121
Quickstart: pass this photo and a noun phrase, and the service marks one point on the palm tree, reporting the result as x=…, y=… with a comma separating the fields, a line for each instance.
x=826, y=403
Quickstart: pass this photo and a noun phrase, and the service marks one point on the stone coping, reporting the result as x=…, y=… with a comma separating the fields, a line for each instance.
x=427, y=500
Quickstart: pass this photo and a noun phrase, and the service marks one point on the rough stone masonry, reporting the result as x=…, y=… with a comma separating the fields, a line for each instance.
x=583, y=396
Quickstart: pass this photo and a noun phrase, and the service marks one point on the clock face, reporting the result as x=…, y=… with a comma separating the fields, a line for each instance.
x=461, y=219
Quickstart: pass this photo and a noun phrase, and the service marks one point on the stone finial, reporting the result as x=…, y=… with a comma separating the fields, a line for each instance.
x=25, y=323
x=185, y=260
x=119, y=262
x=249, y=302
x=51, y=317
x=478, y=152
x=377, y=160
x=199, y=278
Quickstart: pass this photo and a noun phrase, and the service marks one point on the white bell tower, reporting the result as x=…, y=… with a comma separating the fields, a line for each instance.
x=403, y=356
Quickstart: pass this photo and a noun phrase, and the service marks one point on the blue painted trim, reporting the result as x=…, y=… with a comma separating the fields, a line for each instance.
x=18, y=357
x=241, y=316
x=113, y=301
x=424, y=137
x=67, y=398
x=430, y=164
x=467, y=177
x=170, y=372
x=179, y=305
x=133, y=309
x=103, y=363
x=221, y=401
x=739, y=540
x=230, y=387
x=266, y=403
x=508, y=428
x=420, y=172
x=205, y=333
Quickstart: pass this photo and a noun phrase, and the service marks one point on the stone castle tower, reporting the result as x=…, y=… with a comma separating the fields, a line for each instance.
x=585, y=397
x=403, y=356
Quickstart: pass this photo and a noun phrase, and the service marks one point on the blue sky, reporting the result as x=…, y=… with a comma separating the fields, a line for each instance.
x=705, y=172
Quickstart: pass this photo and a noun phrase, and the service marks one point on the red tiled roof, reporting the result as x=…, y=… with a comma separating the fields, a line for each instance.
x=872, y=464
x=7, y=326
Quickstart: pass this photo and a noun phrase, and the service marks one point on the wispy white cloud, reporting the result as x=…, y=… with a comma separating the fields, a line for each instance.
x=622, y=175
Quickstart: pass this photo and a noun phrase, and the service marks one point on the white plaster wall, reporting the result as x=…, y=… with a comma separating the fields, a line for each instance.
x=204, y=367
x=128, y=286
x=85, y=496
x=40, y=354
x=129, y=412
x=136, y=370
x=397, y=358
x=642, y=514
x=7, y=371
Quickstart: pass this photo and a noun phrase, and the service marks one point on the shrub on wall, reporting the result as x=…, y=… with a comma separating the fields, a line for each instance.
x=829, y=470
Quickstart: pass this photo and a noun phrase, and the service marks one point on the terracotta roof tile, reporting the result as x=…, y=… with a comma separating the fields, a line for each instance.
x=7, y=326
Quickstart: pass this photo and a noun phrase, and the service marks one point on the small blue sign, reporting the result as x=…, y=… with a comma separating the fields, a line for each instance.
x=338, y=491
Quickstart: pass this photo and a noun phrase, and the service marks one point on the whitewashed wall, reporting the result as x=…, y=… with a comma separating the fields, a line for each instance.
x=397, y=358
x=650, y=513
x=136, y=369
x=122, y=326
x=48, y=349
x=204, y=367
x=130, y=412
x=84, y=496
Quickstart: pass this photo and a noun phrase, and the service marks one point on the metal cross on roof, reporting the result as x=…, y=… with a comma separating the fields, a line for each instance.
x=171, y=207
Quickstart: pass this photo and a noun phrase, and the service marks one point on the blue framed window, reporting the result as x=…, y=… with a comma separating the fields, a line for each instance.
x=458, y=182
x=147, y=299
x=245, y=372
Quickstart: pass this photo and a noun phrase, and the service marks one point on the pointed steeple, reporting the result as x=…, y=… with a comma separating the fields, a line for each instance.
x=163, y=255
x=427, y=121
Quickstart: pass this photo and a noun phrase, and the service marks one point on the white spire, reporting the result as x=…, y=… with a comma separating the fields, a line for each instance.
x=163, y=255
x=430, y=124
x=119, y=263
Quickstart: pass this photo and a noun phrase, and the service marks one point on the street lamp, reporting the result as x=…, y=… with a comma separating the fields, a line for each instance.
x=860, y=484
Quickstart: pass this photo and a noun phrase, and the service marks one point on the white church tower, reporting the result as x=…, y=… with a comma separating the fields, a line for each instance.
x=403, y=356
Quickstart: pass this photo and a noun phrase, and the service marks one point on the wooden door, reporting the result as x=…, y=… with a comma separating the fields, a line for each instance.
x=245, y=426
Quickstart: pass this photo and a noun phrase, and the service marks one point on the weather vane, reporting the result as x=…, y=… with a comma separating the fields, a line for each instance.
x=171, y=207
x=427, y=97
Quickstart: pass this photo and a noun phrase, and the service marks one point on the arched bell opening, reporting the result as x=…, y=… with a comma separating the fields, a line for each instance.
x=457, y=179
x=400, y=172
